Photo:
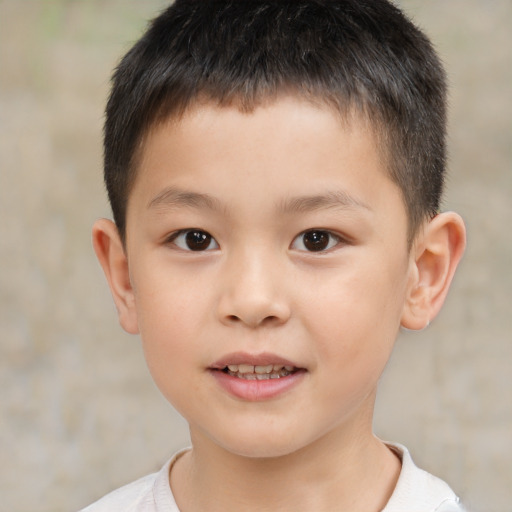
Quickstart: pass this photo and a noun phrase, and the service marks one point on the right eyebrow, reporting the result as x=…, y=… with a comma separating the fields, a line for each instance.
x=173, y=197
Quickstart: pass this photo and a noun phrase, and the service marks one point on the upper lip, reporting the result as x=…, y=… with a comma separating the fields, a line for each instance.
x=262, y=359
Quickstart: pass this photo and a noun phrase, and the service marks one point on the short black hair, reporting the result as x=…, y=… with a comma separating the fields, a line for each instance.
x=362, y=55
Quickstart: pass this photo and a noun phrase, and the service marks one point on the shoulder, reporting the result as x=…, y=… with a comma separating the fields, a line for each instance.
x=147, y=494
x=419, y=491
x=126, y=498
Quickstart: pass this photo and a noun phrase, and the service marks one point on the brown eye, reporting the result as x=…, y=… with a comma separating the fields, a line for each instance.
x=315, y=240
x=194, y=240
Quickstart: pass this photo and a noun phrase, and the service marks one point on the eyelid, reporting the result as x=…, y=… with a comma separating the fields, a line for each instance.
x=340, y=240
x=171, y=239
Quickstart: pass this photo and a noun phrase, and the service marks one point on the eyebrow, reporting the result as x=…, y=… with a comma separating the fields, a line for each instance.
x=333, y=199
x=174, y=198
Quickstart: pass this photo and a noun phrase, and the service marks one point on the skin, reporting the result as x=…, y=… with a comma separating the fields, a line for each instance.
x=256, y=182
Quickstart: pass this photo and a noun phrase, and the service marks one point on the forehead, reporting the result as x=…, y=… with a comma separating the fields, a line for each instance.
x=286, y=106
x=286, y=148
x=294, y=118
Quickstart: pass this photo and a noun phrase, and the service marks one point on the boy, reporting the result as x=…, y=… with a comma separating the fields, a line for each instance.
x=275, y=171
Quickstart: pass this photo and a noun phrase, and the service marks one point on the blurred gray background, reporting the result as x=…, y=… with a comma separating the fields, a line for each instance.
x=79, y=414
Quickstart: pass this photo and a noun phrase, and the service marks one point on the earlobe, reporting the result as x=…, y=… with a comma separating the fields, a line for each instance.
x=112, y=257
x=434, y=259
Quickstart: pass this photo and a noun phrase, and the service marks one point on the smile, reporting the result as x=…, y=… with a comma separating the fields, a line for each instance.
x=259, y=372
x=257, y=377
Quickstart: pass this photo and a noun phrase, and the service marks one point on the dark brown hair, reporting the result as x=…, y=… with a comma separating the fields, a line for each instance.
x=355, y=55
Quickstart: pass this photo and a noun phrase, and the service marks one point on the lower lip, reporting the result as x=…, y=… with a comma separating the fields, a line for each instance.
x=257, y=390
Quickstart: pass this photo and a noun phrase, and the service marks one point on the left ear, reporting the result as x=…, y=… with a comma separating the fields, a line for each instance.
x=434, y=258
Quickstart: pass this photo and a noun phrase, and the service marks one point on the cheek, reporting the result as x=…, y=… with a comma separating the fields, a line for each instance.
x=167, y=300
x=171, y=315
x=356, y=315
x=170, y=346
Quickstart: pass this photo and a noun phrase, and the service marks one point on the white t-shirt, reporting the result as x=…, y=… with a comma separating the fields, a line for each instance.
x=415, y=491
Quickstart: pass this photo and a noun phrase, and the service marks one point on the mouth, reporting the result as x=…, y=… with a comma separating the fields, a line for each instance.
x=259, y=372
x=257, y=377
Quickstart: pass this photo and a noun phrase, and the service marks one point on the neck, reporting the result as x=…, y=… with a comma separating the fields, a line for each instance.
x=324, y=476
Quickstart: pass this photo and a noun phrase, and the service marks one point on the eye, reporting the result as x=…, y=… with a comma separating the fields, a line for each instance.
x=194, y=240
x=315, y=240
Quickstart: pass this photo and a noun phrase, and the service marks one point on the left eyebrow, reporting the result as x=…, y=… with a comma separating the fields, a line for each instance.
x=332, y=199
x=174, y=198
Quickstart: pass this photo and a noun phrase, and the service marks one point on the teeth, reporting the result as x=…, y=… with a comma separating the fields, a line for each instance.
x=259, y=372
x=264, y=369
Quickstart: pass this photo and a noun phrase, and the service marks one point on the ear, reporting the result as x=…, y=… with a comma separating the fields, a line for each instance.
x=112, y=257
x=434, y=258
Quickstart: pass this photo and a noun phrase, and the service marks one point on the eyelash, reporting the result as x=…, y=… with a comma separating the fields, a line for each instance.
x=206, y=238
x=328, y=237
x=322, y=240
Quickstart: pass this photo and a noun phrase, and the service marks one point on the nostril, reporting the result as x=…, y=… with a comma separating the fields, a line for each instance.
x=269, y=319
x=252, y=310
x=253, y=321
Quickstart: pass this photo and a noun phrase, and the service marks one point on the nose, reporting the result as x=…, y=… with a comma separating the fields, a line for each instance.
x=253, y=292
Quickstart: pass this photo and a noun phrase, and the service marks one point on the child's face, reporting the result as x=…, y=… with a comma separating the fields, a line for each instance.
x=269, y=238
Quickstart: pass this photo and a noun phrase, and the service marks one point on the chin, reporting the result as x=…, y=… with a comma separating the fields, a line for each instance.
x=261, y=452
x=262, y=446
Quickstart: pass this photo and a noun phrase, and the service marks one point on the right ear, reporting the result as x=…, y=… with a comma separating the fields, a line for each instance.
x=112, y=257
